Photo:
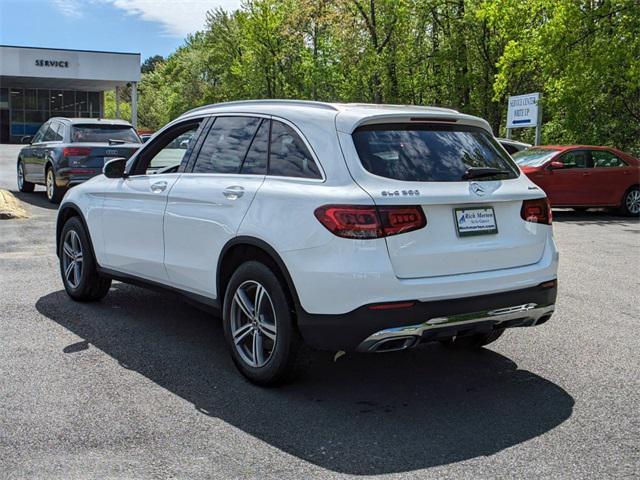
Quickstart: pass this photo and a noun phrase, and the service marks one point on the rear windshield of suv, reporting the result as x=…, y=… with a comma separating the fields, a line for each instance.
x=430, y=153
x=104, y=133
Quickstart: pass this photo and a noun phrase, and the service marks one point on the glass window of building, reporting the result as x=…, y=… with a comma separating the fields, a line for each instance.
x=94, y=104
x=17, y=99
x=43, y=100
x=31, y=99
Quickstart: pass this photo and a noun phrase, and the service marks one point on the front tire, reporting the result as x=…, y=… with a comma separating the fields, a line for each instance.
x=78, y=266
x=54, y=192
x=259, y=327
x=472, y=342
x=23, y=185
x=631, y=202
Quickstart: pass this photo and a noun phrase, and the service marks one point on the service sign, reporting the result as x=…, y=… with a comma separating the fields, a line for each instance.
x=523, y=111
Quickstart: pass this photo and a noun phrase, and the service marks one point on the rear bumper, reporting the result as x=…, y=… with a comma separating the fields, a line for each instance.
x=367, y=329
x=68, y=177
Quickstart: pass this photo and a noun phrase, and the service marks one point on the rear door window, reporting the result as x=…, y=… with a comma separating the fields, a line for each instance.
x=96, y=133
x=226, y=145
x=289, y=155
x=255, y=162
x=430, y=153
x=51, y=134
x=605, y=159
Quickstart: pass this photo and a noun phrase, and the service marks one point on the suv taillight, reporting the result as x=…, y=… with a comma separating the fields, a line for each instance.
x=76, y=151
x=536, y=211
x=361, y=221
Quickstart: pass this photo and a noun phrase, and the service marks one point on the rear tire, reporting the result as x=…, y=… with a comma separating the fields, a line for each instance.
x=23, y=185
x=472, y=342
x=54, y=192
x=631, y=202
x=78, y=266
x=265, y=346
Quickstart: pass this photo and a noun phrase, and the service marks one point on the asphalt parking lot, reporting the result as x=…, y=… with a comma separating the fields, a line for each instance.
x=140, y=385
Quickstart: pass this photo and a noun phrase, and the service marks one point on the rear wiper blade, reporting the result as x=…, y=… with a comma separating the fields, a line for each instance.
x=113, y=141
x=479, y=172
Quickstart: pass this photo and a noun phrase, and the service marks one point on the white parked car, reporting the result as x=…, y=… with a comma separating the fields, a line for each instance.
x=335, y=226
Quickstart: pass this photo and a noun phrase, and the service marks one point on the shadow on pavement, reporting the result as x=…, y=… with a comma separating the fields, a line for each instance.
x=593, y=217
x=37, y=199
x=364, y=414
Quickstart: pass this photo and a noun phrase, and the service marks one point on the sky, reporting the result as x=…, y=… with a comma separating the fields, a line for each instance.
x=148, y=27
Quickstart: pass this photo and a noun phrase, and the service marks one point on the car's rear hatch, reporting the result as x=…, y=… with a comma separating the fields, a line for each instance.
x=473, y=224
x=95, y=143
x=92, y=155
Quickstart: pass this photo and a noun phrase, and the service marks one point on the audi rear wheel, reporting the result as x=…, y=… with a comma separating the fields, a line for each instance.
x=54, y=192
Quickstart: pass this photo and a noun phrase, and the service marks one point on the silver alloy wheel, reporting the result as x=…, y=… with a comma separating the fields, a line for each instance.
x=253, y=324
x=633, y=201
x=50, y=183
x=20, y=175
x=72, y=259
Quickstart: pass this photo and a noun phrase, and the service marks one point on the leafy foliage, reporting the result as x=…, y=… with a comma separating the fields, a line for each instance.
x=582, y=55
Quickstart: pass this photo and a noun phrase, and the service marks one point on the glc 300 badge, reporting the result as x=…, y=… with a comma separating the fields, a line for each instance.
x=397, y=193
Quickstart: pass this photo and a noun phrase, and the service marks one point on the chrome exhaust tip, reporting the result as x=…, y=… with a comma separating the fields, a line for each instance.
x=394, y=344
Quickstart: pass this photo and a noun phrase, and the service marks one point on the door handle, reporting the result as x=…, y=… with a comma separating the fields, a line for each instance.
x=158, y=187
x=233, y=192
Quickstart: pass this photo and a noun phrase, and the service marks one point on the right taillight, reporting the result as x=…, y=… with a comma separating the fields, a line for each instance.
x=76, y=151
x=537, y=210
x=364, y=222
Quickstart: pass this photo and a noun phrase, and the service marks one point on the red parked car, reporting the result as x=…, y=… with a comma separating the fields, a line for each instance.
x=581, y=177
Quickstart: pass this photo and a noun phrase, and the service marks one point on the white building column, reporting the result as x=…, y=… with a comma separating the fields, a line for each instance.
x=134, y=104
x=117, y=102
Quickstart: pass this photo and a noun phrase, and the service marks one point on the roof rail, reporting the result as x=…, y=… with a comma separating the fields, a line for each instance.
x=302, y=103
x=417, y=107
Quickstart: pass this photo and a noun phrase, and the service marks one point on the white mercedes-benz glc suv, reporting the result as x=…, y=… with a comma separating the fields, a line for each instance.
x=334, y=226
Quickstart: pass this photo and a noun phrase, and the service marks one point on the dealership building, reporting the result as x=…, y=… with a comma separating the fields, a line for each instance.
x=39, y=83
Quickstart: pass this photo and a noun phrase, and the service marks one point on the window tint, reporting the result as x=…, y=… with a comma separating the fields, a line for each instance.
x=226, y=145
x=104, y=133
x=510, y=148
x=604, y=159
x=289, y=155
x=60, y=131
x=429, y=153
x=171, y=148
x=256, y=160
x=575, y=159
x=38, y=137
x=51, y=134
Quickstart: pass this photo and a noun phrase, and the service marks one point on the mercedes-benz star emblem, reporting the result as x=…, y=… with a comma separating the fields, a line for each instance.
x=477, y=189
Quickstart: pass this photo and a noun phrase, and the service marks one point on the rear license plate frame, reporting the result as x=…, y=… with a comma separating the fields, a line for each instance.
x=474, y=228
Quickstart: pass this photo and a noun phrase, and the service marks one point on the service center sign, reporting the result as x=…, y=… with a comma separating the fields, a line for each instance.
x=523, y=111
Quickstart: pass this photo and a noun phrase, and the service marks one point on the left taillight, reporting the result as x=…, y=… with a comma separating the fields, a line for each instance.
x=76, y=151
x=537, y=210
x=365, y=222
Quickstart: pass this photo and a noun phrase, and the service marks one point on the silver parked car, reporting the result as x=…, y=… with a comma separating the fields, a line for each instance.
x=68, y=151
x=513, y=146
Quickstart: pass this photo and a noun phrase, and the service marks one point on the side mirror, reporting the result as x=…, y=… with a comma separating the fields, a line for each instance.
x=556, y=165
x=115, y=168
x=26, y=139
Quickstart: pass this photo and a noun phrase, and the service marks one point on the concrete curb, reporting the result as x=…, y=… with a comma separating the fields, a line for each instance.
x=11, y=207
